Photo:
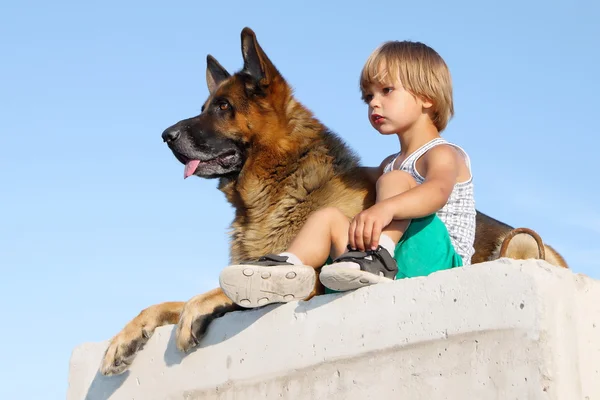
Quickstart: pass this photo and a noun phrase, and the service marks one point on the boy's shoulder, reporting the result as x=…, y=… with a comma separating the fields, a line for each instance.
x=444, y=157
x=446, y=147
x=443, y=151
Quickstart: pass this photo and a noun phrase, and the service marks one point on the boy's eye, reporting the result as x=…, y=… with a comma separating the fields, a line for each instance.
x=387, y=90
x=367, y=97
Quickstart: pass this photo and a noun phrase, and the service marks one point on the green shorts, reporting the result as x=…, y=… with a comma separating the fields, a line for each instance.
x=424, y=248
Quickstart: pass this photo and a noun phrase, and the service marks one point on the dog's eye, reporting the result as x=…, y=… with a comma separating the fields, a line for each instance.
x=224, y=105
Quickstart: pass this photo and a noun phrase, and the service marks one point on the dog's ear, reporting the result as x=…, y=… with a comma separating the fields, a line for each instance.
x=256, y=62
x=215, y=73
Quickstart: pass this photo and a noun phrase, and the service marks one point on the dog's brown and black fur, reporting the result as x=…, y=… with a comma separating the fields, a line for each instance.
x=276, y=163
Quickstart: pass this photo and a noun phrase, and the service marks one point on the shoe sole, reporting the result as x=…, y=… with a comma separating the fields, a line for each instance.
x=251, y=286
x=343, y=279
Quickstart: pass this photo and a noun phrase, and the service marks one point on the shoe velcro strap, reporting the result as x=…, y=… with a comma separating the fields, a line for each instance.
x=271, y=260
x=381, y=261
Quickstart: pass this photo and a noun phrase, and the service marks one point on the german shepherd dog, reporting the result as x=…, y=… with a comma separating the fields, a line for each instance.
x=276, y=163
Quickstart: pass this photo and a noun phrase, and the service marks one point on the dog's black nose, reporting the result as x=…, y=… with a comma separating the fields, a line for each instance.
x=171, y=135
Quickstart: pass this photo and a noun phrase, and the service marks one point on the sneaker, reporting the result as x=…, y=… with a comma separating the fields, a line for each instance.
x=374, y=266
x=271, y=279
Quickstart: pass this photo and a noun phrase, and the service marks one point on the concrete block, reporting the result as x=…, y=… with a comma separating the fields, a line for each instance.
x=498, y=330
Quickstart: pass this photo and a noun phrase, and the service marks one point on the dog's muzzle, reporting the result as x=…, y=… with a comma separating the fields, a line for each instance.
x=171, y=134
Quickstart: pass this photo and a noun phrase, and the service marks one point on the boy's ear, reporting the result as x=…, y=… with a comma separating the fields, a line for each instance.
x=427, y=103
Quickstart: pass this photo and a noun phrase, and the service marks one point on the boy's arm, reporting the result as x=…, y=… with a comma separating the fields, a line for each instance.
x=441, y=168
x=440, y=171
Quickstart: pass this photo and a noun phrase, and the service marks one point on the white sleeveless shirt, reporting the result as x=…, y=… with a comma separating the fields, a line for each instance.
x=458, y=214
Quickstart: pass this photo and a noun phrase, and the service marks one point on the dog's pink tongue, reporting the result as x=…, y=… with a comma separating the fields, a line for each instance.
x=190, y=168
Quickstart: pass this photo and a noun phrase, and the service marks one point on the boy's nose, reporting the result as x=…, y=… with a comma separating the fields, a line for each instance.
x=374, y=102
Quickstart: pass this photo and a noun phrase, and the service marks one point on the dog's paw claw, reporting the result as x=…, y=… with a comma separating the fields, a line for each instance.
x=122, y=350
x=192, y=326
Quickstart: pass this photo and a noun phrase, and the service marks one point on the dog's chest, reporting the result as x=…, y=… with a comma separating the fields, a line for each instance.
x=268, y=226
x=271, y=208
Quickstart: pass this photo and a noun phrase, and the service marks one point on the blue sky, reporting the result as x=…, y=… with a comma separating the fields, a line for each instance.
x=96, y=222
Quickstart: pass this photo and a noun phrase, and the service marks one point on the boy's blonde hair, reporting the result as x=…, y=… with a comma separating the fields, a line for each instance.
x=421, y=71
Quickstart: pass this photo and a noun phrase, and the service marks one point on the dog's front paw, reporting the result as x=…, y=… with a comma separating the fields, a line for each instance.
x=121, y=351
x=191, y=326
x=196, y=316
x=193, y=323
x=125, y=345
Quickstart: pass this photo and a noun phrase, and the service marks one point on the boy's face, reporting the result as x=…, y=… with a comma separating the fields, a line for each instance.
x=392, y=109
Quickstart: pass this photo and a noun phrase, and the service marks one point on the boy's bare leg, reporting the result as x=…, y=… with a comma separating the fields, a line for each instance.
x=389, y=185
x=290, y=275
x=324, y=233
x=348, y=274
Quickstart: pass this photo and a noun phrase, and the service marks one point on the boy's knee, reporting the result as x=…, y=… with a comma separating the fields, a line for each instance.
x=328, y=213
x=396, y=179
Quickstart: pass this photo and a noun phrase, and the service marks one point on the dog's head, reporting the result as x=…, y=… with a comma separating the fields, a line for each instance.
x=242, y=111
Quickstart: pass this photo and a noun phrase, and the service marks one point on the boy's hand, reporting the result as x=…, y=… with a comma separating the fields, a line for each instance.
x=365, y=228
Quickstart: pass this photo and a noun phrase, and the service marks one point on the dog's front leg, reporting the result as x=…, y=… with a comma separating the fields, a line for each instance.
x=197, y=314
x=124, y=346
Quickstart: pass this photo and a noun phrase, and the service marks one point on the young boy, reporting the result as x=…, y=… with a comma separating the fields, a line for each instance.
x=424, y=216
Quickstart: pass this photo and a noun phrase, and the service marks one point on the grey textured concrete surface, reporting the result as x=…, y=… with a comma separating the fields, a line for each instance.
x=499, y=330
